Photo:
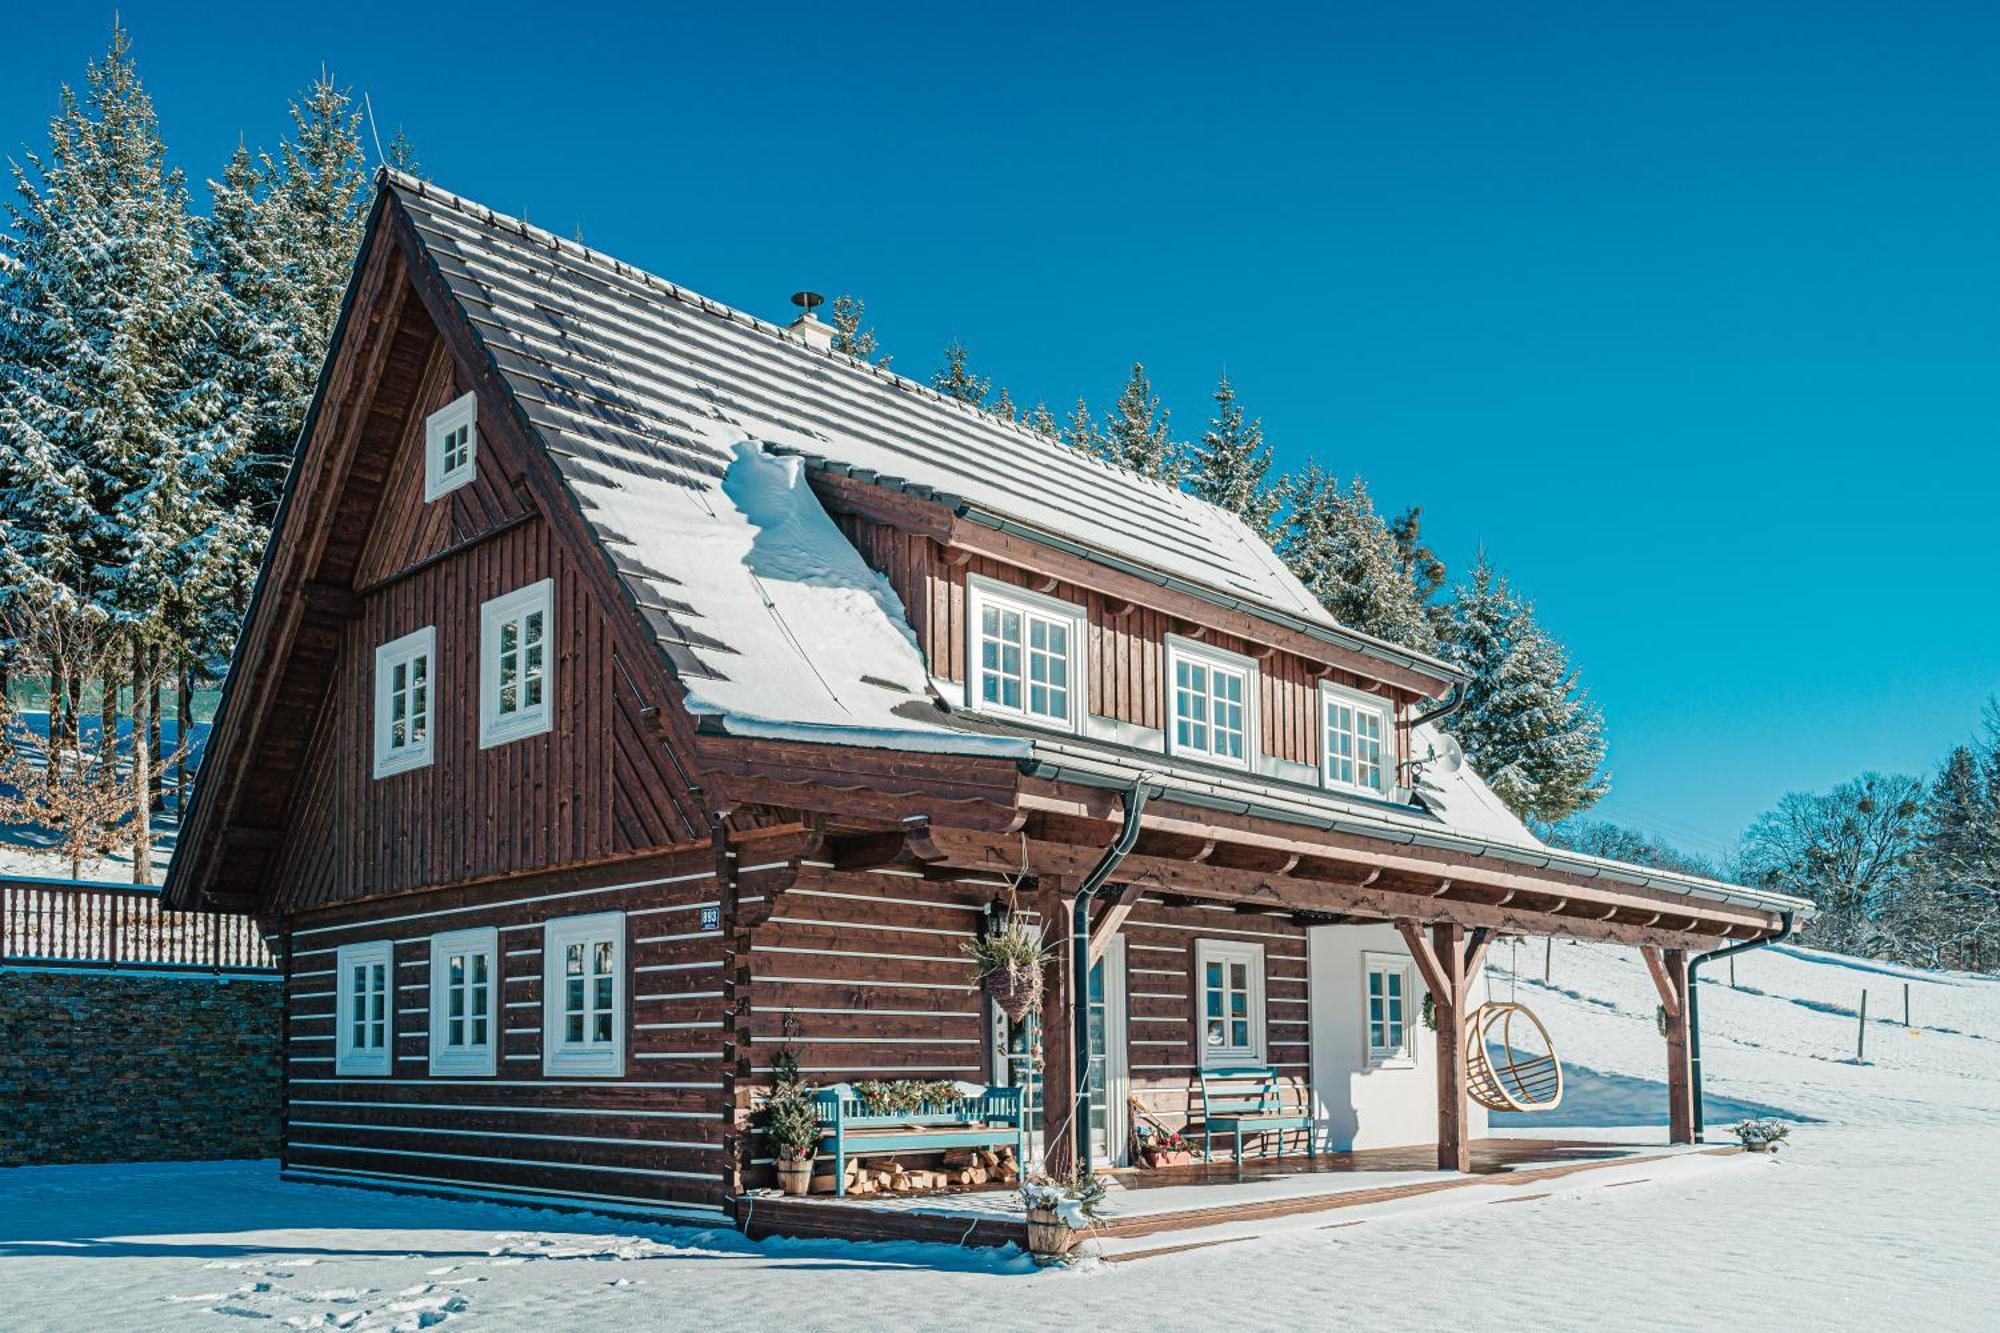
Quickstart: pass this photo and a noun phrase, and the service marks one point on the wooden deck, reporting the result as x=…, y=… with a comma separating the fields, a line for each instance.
x=1195, y=1197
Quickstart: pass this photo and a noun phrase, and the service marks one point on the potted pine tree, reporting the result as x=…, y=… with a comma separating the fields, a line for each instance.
x=791, y=1124
x=1060, y=1210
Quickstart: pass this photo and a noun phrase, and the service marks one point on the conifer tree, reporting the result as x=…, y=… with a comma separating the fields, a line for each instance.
x=1043, y=422
x=1345, y=555
x=1081, y=432
x=1003, y=406
x=955, y=379
x=848, y=335
x=1427, y=572
x=1528, y=726
x=402, y=154
x=1136, y=434
x=1231, y=465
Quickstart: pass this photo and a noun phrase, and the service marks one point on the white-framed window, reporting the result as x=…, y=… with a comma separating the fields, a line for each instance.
x=583, y=995
x=364, y=1032
x=465, y=989
x=1388, y=993
x=1229, y=1000
x=517, y=673
x=451, y=446
x=403, y=702
x=1025, y=655
x=1357, y=740
x=1211, y=703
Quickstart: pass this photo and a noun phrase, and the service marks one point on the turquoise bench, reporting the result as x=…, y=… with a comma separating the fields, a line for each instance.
x=1249, y=1099
x=982, y=1118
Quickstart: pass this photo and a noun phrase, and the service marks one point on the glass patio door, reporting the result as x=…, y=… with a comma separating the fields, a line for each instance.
x=1013, y=1059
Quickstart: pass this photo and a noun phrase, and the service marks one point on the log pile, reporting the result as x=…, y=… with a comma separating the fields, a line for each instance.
x=960, y=1169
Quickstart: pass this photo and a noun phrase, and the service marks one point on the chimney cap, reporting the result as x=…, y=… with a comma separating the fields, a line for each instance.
x=807, y=325
x=808, y=301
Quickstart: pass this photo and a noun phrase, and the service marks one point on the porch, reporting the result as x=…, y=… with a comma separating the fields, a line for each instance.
x=1149, y=1212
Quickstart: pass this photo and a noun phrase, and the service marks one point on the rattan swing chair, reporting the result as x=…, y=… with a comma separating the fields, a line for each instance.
x=1517, y=1078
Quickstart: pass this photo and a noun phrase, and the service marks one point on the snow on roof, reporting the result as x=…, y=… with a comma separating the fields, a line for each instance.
x=624, y=371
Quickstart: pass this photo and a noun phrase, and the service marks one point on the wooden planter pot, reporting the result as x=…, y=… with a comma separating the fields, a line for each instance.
x=1050, y=1239
x=795, y=1177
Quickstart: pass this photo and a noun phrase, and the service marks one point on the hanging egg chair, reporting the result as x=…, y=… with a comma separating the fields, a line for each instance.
x=1510, y=1062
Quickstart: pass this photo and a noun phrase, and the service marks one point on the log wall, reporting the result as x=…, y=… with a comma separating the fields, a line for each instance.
x=660, y=1136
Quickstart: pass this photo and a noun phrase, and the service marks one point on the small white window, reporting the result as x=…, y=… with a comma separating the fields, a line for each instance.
x=1355, y=739
x=1025, y=656
x=364, y=1025
x=451, y=446
x=465, y=984
x=1230, y=978
x=1210, y=695
x=583, y=995
x=517, y=677
x=1389, y=981
x=403, y=702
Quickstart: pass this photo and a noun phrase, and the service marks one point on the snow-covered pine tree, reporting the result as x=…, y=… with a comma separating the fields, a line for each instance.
x=1003, y=406
x=1136, y=434
x=402, y=154
x=1042, y=421
x=282, y=241
x=1231, y=465
x=1427, y=572
x=1528, y=726
x=1949, y=915
x=955, y=379
x=1081, y=432
x=1343, y=552
x=848, y=335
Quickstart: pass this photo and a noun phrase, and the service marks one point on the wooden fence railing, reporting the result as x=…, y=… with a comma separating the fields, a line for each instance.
x=61, y=923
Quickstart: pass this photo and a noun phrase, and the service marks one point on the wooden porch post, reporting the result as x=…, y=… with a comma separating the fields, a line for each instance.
x=1054, y=903
x=1442, y=959
x=1670, y=977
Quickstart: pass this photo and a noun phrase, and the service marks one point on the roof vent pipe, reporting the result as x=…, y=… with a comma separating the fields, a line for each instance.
x=814, y=334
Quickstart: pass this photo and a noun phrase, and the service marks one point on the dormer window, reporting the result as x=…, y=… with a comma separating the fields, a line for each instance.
x=451, y=445
x=1356, y=749
x=1025, y=655
x=1210, y=696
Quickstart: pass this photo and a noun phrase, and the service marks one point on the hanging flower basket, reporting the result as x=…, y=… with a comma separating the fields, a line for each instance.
x=1015, y=991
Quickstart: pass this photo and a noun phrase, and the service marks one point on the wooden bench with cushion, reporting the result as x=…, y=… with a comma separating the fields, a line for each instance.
x=1249, y=1099
x=980, y=1118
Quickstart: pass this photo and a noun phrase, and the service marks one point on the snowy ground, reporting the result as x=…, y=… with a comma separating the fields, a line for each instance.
x=1883, y=1212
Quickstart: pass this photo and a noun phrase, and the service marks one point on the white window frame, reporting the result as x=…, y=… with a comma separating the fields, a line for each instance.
x=441, y=478
x=1359, y=701
x=401, y=652
x=586, y=1058
x=1226, y=952
x=496, y=728
x=364, y=1059
x=1180, y=650
x=1403, y=1055
x=984, y=593
x=467, y=1057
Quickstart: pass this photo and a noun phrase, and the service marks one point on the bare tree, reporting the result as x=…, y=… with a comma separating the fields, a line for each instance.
x=1849, y=850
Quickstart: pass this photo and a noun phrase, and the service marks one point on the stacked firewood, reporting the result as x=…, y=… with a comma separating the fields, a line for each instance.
x=960, y=1168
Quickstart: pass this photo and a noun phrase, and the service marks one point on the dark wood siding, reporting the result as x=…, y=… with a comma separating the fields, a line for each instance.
x=658, y=1136
x=598, y=783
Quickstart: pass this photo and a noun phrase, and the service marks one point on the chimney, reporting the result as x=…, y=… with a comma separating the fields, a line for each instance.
x=807, y=326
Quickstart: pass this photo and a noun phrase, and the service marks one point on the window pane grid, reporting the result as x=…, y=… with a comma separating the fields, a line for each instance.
x=1353, y=741
x=1209, y=709
x=1024, y=661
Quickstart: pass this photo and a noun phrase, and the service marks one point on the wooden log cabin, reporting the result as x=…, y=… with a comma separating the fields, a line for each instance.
x=635, y=689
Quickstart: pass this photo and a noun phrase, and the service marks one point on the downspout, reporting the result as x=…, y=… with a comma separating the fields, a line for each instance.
x=1694, y=1005
x=1134, y=801
x=1452, y=704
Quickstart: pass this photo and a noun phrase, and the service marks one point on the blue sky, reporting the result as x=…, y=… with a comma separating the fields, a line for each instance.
x=1689, y=315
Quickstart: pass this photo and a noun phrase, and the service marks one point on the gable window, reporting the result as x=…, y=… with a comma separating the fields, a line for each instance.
x=516, y=673
x=1209, y=694
x=451, y=445
x=1230, y=977
x=403, y=702
x=464, y=985
x=583, y=995
x=1355, y=737
x=1026, y=654
x=363, y=1031
x=1389, y=980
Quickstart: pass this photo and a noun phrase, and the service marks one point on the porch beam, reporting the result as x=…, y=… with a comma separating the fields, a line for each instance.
x=971, y=849
x=1435, y=979
x=1475, y=952
x=1448, y=952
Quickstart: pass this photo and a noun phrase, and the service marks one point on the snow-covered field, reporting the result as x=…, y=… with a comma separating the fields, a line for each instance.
x=1883, y=1212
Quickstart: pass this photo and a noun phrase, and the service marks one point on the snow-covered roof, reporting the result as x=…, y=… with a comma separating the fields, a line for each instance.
x=647, y=395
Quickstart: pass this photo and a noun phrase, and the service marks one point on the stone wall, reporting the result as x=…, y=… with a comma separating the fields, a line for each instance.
x=117, y=1067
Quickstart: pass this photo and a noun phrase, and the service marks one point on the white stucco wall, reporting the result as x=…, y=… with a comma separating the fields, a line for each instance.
x=1359, y=1106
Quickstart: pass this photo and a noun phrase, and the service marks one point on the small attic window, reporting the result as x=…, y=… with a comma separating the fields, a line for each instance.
x=451, y=446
